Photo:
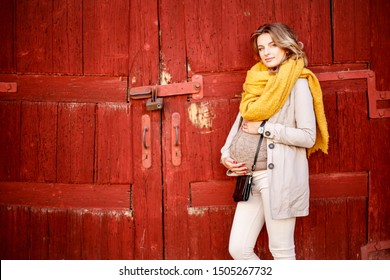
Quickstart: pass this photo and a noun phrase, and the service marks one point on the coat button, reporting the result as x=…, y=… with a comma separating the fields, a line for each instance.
x=271, y=146
x=267, y=133
x=271, y=166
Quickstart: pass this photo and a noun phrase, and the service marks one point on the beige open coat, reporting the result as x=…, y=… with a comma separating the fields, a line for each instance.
x=288, y=133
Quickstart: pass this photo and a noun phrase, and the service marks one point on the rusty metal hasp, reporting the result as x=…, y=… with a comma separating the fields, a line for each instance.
x=194, y=87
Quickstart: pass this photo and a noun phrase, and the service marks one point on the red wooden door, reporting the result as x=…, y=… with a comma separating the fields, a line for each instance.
x=87, y=173
x=72, y=185
x=211, y=38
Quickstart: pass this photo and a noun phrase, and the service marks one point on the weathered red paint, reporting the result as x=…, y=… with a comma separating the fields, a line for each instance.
x=72, y=180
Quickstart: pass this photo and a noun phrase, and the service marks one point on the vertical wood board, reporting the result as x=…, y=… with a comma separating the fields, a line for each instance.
x=9, y=141
x=48, y=36
x=351, y=25
x=114, y=162
x=144, y=43
x=147, y=188
x=76, y=143
x=7, y=13
x=106, y=37
x=38, y=141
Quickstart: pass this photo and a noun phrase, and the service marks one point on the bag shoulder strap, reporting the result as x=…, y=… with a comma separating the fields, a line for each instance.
x=258, y=147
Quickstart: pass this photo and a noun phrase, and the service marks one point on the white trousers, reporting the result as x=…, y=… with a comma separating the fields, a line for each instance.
x=249, y=219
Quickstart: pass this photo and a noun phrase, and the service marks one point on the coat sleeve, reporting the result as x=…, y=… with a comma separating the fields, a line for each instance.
x=225, y=151
x=304, y=134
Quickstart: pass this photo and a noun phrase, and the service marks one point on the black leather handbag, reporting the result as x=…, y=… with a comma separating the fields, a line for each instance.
x=244, y=183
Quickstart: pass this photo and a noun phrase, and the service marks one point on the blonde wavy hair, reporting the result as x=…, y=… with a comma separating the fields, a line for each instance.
x=284, y=37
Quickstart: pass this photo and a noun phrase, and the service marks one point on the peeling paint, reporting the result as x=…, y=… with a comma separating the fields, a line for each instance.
x=201, y=115
x=166, y=78
x=197, y=211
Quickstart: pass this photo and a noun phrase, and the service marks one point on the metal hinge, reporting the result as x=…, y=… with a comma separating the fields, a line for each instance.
x=194, y=88
x=375, y=98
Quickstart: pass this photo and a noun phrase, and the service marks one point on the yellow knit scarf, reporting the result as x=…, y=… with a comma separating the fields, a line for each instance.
x=264, y=95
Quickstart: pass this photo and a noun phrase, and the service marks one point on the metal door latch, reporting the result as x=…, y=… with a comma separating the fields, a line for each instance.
x=154, y=103
x=156, y=93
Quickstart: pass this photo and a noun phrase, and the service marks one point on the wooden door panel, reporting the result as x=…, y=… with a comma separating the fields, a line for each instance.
x=352, y=27
x=75, y=136
x=6, y=30
x=114, y=162
x=38, y=144
x=10, y=140
x=53, y=233
x=199, y=186
x=48, y=36
x=106, y=24
x=72, y=143
x=217, y=32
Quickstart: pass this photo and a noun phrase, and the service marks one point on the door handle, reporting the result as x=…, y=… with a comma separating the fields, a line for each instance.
x=175, y=139
x=176, y=135
x=144, y=138
x=146, y=145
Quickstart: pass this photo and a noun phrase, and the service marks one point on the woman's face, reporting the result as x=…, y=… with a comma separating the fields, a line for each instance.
x=271, y=55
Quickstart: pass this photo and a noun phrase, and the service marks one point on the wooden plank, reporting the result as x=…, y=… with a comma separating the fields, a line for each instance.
x=218, y=32
x=6, y=233
x=223, y=85
x=212, y=193
x=57, y=234
x=92, y=238
x=333, y=185
x=20, y=232
x=76, y=143
x=379, y=207
x=74, y=221
x=312, y=25
x=220, y=224
x=34, y=36
x=353, y=27
x=196, y=136
x=357, y=214
x=200, y=234
x=310, y=243
x=147, y=187
x=67, y=196
x=380, y=32
x=176, y=198
x=353, y=129
x=107, y=235
x=67, y=25
x=7, y=13
x=54, y=233
x=328, y=163
x=126, y=236
x=66, y=88
x=172, y=42
x=144, y=43
x=38, y=141
x=38, y=234
x=221, y=126
x=9, y=141
x=48, y=36
x=114, y=162
x=105, y=37
x=336, y=230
